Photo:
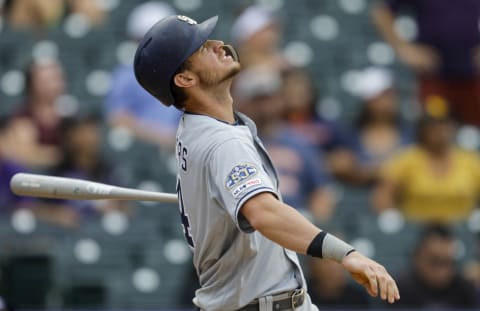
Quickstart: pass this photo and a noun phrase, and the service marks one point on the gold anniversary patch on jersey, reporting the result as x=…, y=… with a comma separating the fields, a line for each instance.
x=239, y=173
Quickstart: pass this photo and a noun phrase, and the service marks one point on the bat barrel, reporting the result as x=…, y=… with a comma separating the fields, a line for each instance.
x=76, y=189
x=50, y=187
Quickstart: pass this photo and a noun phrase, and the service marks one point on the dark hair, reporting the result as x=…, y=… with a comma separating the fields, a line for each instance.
x=71, y=123
x=424, y=122
x=178, y=93
x=433, y=230
x=7, y=7
x=28, y=73
x=364, y=117
x=68, y=125
x=4, y=123
x=296, y=71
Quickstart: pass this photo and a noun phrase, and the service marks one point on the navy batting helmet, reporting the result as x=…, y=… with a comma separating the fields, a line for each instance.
x=164, y=48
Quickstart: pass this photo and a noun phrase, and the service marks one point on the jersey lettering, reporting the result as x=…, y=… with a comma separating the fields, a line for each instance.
x=184, y=217
x=182, y=154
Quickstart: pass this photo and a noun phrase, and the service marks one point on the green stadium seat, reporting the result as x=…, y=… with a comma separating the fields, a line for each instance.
x=26, y=280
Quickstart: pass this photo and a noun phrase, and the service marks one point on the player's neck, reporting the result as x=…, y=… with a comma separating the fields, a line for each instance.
x=218, y=105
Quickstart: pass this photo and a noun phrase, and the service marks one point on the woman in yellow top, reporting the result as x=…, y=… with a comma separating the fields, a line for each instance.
x=433, y=180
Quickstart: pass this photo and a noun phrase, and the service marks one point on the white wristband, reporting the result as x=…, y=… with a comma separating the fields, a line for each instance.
x=334, y=248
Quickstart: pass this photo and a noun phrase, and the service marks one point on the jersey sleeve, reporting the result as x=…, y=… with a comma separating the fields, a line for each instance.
x=236, y=175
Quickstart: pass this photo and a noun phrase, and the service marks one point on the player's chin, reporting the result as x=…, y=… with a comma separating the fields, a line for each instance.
x=233, y=70
x=235, y=67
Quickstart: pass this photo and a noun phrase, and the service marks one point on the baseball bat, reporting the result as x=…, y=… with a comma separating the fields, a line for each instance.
x=53, y=187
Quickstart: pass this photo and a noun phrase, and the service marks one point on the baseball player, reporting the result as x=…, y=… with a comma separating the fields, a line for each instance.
x=243, y=237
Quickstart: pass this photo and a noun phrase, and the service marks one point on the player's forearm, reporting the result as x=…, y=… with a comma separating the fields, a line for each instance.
x=280, y=223
x=287, y=227
x=384, y=21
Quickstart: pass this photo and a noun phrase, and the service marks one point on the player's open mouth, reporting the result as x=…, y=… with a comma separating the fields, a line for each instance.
x=225, y=58
x=230, y=53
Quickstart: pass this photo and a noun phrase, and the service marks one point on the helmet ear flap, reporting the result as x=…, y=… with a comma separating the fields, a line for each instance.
x=230, y=50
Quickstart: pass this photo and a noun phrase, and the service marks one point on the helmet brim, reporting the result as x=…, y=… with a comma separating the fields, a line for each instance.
x=204, y=30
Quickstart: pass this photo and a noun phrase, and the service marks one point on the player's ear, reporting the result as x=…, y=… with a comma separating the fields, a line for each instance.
x=185, y=79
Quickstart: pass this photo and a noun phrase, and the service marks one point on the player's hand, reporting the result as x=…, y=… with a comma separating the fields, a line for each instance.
x=372, y=276
x=421, y=58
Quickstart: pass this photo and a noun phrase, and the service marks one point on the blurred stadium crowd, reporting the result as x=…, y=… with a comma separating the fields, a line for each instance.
x=369, y=109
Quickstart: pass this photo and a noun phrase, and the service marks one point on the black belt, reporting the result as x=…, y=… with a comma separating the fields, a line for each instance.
x=284, y=301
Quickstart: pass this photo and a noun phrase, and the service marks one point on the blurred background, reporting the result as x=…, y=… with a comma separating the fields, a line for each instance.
x=369, y=109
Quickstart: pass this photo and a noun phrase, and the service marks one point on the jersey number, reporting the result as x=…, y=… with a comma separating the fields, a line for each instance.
x=184, y=217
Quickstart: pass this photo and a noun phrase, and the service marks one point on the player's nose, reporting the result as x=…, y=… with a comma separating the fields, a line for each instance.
x=217, y=45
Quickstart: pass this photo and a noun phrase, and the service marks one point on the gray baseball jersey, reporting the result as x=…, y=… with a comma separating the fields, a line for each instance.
x=221, y=166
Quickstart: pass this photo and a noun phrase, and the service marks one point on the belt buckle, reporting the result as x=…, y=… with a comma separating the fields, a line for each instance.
x=297, y=293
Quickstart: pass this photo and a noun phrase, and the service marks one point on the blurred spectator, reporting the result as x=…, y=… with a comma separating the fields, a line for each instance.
x=300, y=98
x=8, y=168
x=434, y=280
x=446, y=53
x=329, y=287
x=81, y=149
x=45, y=83
x=257, y=34
x=433, y=180
x=379, y=131
x=82, y=158
x=128, y=105
x=34, y=15
x=90, y=9
x=302, y=179
x=322, y=135
x=37, y=123
x=39, y=16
